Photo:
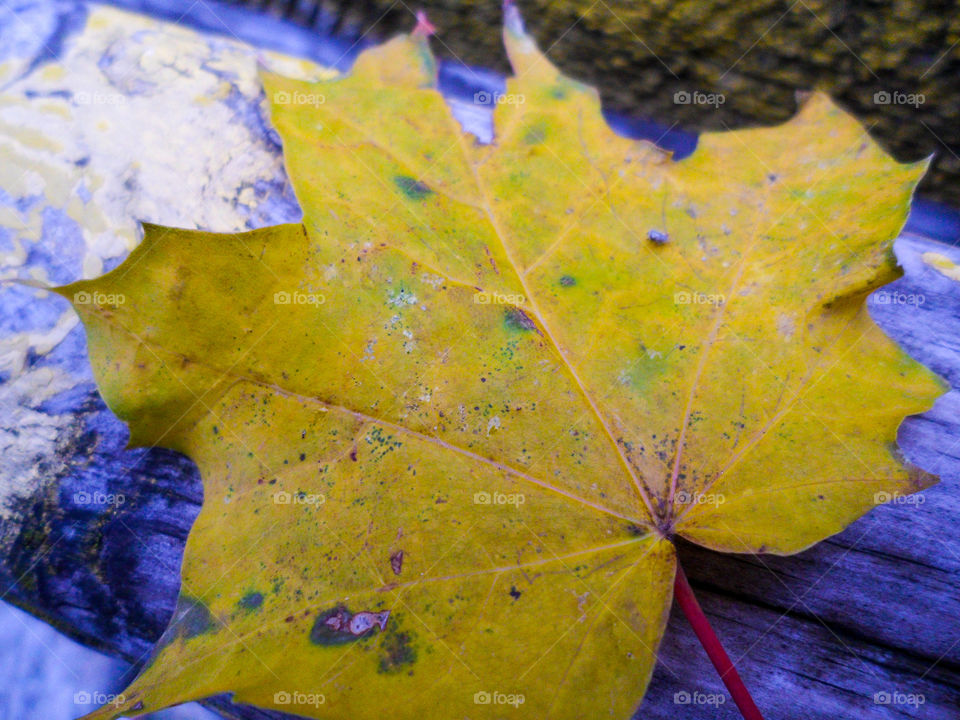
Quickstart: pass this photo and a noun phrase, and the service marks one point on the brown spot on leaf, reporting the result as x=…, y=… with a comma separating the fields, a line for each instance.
x=339, y=625
x=517, y=319
x=396, y=562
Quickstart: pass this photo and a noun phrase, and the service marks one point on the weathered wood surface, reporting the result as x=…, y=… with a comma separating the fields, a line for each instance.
x=818, y=635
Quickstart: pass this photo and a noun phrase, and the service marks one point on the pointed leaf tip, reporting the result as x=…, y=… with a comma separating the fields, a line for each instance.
x=512, y=19
x=424, y=28
x=524, y=55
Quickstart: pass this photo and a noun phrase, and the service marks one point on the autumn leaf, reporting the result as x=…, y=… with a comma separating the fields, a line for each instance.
x=450, y=426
